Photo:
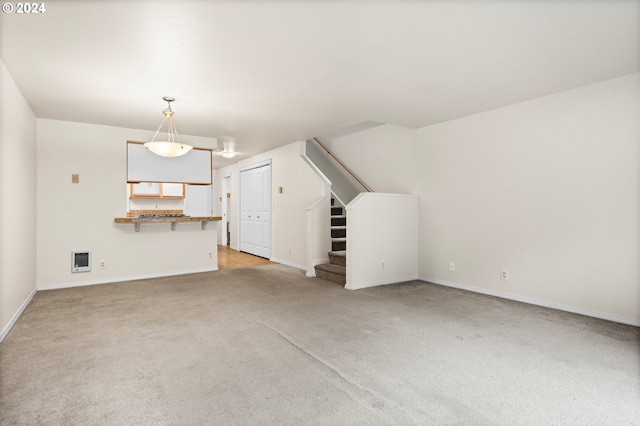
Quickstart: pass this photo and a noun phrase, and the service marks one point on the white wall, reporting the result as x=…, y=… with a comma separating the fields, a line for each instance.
x=382, y=156
x=548, y=189
x=17, y=201
x=80, y=216
x=382, y=242
x=301, y=187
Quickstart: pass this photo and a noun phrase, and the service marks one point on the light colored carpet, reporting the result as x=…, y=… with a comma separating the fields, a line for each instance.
x=268, y=346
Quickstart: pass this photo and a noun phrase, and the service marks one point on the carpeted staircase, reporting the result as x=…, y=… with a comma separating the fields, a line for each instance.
x=336, y=269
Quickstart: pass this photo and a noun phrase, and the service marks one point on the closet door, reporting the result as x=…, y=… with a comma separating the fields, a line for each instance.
x=263, y=212
x=255, y=211
x=247, y=215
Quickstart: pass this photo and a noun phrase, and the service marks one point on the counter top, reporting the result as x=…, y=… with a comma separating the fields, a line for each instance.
x=173, y=220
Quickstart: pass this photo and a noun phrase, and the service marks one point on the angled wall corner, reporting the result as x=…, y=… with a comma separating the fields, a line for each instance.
x=17, y=203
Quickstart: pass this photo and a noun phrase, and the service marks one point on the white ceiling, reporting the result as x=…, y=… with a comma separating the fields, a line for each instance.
x=267, y=73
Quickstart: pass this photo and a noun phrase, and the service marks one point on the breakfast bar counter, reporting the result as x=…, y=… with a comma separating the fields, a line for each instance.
x=166, y=218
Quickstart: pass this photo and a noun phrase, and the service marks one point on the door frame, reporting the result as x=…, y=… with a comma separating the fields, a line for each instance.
x=226, y=181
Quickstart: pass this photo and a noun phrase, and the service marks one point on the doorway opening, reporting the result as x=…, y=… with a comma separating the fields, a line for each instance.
x=225, y=200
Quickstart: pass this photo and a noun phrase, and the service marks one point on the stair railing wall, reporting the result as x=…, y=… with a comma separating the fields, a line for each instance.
x=344, y=166
x=344, y=183
x=382, y=239
x=318, y=235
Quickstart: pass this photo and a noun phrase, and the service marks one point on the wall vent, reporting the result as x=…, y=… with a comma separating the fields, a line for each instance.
x=81, y=261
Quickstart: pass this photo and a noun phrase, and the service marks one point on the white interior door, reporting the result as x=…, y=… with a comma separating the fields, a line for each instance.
x=255, y=211
x=263, y=212
x=247, y=190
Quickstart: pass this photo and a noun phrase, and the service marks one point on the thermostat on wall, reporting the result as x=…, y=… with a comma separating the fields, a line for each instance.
x=81, y=261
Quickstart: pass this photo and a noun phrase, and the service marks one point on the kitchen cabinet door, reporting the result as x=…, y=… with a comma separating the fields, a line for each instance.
x=145, y=190
x=173, y=190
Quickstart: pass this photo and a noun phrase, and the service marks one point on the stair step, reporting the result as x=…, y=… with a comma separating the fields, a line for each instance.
x=338, y=258
x=339, y=233
x=338, y=245
x=334, y=273
x=338, y=221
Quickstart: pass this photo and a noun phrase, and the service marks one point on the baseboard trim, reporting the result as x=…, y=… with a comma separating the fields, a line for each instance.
x=9, y=326
x=122, y=279
x=311, y=273
x=533, y=301
x=293, y=265
x=379, y=283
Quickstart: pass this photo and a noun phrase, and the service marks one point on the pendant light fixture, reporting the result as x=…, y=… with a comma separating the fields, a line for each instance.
x=172, y=147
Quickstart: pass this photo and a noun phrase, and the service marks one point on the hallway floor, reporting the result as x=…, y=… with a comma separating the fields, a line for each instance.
x=231, y=259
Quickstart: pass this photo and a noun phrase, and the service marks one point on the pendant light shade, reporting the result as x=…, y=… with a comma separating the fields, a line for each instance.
x=168, y=149
x=172, y=147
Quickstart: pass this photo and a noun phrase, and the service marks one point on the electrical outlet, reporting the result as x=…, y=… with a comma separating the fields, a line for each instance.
x=504, y=274
x=381, y=265
x=452, y=266
x=289, y=252
x=103, y=264
x=210, y=255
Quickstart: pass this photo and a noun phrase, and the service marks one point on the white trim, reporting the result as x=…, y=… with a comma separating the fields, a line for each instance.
x=317, y=171
x=15, y=317
x=349, y=286
x=532, y=301
x=376, y=194
x=255, y=165
x=122, y=279
x=312, y=273
x=293, y=265
x=317, y=203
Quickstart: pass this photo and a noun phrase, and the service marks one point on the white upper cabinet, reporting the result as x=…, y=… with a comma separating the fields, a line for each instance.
x=156, y=190
x=194, y=168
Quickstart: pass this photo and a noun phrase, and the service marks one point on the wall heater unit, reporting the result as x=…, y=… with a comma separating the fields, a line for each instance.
x=81, y=261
